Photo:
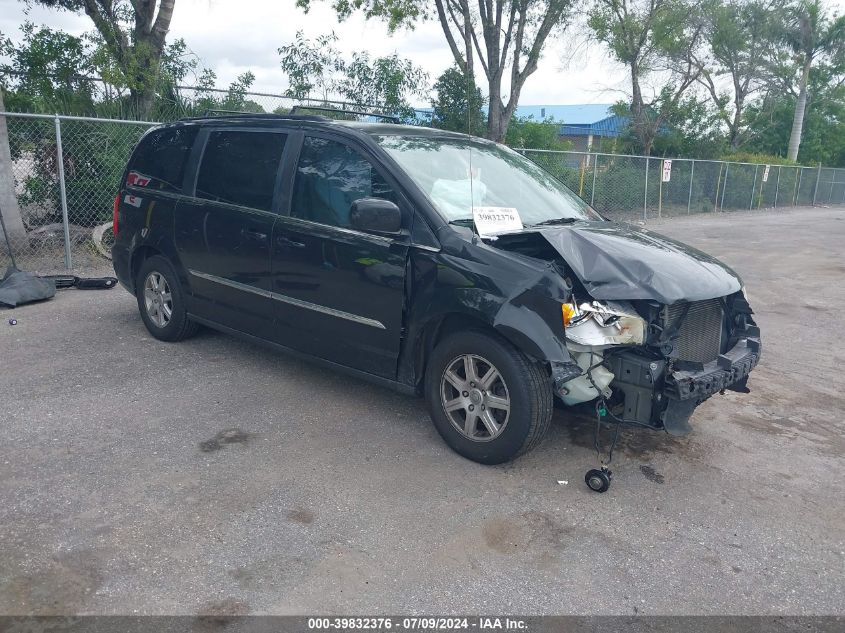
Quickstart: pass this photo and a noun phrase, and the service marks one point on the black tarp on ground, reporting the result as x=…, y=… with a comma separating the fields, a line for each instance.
x=18, y=287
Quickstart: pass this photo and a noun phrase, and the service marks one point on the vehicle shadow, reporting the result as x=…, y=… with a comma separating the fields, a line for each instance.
x=578, y=424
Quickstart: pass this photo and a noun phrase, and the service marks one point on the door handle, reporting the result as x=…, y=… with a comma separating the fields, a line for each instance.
x=286, y=242
x=252, y=234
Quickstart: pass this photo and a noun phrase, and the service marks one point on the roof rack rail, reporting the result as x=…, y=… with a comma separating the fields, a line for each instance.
x=388, y=117
x=265, y=115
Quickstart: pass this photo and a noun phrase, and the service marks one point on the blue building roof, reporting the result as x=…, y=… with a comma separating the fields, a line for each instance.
x=584, y=119
x=574, y=114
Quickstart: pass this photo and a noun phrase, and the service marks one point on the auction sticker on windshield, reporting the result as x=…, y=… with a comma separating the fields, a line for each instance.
x=493, y=220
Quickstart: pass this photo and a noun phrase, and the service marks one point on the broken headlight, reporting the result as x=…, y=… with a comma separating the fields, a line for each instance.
x=601, y=323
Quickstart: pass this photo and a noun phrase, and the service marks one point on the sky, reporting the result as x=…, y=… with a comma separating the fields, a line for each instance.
x=233, y=36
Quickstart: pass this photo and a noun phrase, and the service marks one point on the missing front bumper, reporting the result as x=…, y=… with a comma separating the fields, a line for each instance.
x=663, y=398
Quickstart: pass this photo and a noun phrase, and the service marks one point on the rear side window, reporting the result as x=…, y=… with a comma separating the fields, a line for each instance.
x=240, y=167
x=159, y=161
x=331, y=176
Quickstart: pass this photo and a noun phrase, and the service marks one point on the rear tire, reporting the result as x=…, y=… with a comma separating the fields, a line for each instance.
x=161, y=301
x=489, y=402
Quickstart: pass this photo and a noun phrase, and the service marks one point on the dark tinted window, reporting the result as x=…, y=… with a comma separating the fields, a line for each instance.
x=329, y=178
x=240, y=168
x=159, y=161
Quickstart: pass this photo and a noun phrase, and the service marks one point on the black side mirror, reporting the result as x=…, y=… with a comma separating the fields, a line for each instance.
x=375, y=215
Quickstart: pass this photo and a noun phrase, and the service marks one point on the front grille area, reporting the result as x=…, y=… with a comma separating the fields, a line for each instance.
x=700, y=335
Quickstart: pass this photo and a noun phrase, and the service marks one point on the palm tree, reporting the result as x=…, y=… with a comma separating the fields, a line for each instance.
x=810, y=34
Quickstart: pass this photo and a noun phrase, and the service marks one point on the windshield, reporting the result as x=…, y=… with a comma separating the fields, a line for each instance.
x=460, y=174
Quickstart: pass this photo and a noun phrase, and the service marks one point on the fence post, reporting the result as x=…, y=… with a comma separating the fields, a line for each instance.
x=63, y=192
x=595, y=167
x=660, y=191
x=797, y=190
x=718, y=185
x=753, y=186
x=645, y=195
x=777, y=188
x=724, y=187
x=832, y=183
x=691, y=174
x=818, y=178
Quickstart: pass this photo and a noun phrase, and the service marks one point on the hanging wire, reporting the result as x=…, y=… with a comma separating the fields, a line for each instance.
x=603, y=411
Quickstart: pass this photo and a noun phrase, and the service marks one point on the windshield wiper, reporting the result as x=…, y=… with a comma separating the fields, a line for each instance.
x=467, y=222
x=554, y=221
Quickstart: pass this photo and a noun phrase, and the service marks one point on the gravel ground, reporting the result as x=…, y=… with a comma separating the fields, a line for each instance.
x=213, y=476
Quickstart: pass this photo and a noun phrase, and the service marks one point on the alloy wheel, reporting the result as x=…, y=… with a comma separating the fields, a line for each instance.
x=158, y=300
x=475, y=397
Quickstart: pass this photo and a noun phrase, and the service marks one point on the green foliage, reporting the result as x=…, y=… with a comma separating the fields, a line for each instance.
x=47, y=69
x=760, y=159
x=94, y=155
x=46, y=72
x=690, y=128
x=525, y=132
x=387, y=82
x=311, y=66
x=739, y=37
x=457, y=103
x=823, y=138
x=396, y=13
x=129, y=43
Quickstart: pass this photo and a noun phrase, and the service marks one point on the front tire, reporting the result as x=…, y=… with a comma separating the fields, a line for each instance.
x=161, y=301
x=489, y=402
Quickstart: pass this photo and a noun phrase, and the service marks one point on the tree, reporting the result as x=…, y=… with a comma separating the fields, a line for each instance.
x=653, y=38
x=823, y=131
x=738, y=37
x=388, y=82
x=134, y=33
x=47, y=70
x=311, y=66
x=8, y=199
x=691, y=129
x=811, y=35
x=457, y=103
x=507, y=37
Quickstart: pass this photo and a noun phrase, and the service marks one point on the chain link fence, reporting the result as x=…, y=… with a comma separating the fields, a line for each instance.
x=639, y=188
x=59, y=175
x=64, y=174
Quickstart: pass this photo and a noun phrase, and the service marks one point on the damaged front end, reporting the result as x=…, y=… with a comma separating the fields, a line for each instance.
x=654, y=326
x=653, y=364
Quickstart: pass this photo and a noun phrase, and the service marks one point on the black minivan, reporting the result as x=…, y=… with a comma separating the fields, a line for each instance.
x=436, y=263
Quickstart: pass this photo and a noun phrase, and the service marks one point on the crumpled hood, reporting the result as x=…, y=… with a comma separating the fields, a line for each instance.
x=615, y=261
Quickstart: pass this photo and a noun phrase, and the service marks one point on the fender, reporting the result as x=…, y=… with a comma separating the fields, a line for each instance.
x=522, y=302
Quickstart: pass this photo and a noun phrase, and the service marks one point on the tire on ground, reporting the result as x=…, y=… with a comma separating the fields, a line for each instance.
x=180, y=326
x=528, y=384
